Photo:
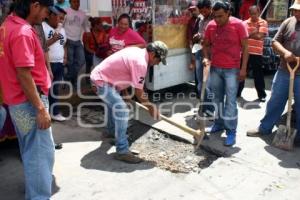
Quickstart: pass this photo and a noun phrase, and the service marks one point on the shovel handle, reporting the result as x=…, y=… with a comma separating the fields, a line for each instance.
x=180, y=126
x=293, y=70
x=291, y=94
x=206, y=71
x=265, y=8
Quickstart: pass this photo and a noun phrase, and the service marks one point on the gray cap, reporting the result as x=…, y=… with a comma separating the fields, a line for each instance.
x=161, y=50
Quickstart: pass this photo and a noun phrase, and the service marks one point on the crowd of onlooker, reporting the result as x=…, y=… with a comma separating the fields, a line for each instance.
x=71, y=40
x=89, y=40
x=42, y=44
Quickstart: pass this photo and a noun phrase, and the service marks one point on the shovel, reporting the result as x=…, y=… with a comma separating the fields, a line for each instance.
x=199, y=139
x=195, y=133
x=285, y=135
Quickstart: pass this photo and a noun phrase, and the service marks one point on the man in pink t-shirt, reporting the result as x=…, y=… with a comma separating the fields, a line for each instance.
x=125, y=68
x=225, y=41
x=25, y=82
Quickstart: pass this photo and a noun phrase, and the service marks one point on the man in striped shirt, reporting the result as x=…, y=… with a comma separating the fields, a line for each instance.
x=257, y=29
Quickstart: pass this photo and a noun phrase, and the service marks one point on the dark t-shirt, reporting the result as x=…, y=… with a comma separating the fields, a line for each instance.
x=289, y=36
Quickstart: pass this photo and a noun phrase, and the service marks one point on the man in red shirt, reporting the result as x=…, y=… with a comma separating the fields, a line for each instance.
x=225, y=40
x=25, y=82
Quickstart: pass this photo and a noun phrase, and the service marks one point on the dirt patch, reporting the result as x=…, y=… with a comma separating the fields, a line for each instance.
x=169, y=153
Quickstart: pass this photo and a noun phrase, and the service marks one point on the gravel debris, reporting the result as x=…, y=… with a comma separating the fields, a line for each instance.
x=172, y=155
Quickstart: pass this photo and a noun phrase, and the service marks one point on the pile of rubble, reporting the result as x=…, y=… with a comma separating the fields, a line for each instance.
x=171, y=154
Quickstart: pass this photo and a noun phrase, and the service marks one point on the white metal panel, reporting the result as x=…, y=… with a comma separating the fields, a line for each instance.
x=175, y=73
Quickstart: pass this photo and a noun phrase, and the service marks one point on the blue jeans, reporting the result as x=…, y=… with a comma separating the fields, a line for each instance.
x=2, y=116
x=199, y=77
x=117, y=116
x=58, y=72
x=36, y=148
x=224, y=84
x=76, y=60
x=278, y=100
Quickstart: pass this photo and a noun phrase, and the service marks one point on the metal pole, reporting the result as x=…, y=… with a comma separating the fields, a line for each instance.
x=265, y=8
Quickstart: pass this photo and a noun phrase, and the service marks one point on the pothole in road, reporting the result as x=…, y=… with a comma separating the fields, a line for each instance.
x=170, y=153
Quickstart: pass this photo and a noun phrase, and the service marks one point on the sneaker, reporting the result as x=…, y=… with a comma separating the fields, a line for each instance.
x=214, y=129
x=230, y=139
x=254, y=133
x=58, y=117
x=128, y=158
